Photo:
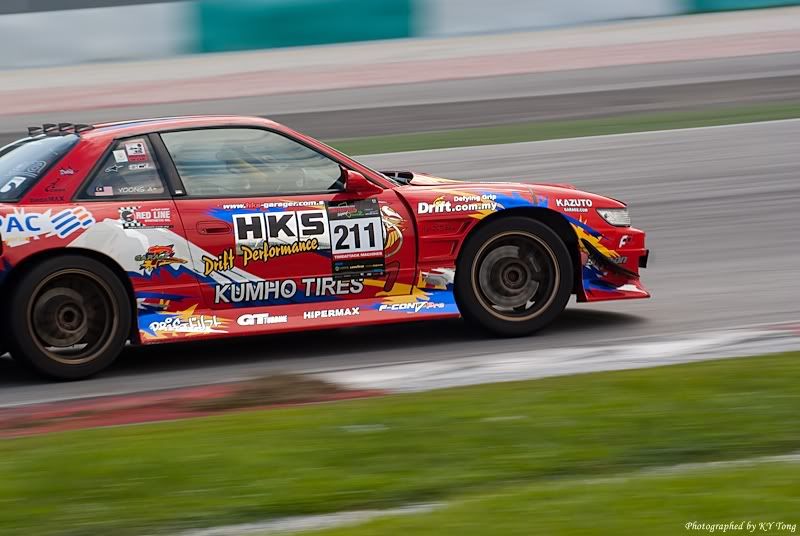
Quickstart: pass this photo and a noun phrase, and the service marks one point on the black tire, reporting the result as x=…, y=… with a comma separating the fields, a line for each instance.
x=69, y=317
x=514, y=276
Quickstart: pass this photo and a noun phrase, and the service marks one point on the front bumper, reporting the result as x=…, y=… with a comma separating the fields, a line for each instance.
x=610, y=265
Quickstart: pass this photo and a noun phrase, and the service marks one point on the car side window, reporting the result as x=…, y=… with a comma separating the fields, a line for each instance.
x=236, y=162
x=129, y=170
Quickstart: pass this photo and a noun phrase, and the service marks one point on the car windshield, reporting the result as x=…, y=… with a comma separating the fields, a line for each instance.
x=24, y=162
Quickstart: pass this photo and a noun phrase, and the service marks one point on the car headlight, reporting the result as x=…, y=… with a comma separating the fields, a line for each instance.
x=617, y=217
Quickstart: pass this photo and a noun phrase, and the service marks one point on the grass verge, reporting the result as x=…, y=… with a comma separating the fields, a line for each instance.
x=546, y=130
x=401, y=449
x=630, y=504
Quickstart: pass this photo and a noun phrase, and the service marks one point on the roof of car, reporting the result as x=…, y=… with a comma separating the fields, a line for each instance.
x=141, y=126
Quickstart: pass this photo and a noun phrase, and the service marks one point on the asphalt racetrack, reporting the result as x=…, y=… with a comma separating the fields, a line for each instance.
x=720, y=206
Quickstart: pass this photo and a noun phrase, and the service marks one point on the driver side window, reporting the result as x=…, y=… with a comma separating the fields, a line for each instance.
x=237, y=162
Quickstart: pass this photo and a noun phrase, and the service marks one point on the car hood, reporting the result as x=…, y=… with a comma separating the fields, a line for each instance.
x=421, y=185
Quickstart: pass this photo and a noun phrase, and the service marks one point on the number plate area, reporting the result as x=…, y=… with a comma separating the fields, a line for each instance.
x=356, y=232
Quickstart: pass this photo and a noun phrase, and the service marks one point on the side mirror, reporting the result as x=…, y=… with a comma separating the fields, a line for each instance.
x=356, y=183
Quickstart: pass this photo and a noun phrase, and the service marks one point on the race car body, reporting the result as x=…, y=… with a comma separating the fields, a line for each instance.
x=166, y=229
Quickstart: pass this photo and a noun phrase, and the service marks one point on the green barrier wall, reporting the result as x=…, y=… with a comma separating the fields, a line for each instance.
x=252, y=24
x=729, y=5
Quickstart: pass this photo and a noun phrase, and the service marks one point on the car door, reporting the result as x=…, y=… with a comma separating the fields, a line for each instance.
x=273, y=224
x=137, y=224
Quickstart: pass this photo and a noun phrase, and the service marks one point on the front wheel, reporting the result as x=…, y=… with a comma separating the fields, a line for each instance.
x=514, y=276
x=69, y=317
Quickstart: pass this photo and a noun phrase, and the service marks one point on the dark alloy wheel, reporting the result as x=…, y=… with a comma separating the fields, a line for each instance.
x=514, y=276
x=70, y=317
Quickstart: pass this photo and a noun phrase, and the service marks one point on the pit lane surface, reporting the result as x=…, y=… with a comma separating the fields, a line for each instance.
x=719, y=205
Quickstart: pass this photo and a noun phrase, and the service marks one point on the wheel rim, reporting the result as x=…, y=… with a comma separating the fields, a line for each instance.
x=515, y=276
x=71, y=316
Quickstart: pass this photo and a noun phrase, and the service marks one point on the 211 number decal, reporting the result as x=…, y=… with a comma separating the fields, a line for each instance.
x=357, y=235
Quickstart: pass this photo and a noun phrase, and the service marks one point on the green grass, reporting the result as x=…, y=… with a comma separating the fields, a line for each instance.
x=546, y=130
x=436, y=446
x=631, y=504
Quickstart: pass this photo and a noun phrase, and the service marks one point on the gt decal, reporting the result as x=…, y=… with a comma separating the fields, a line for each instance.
x=261, y=319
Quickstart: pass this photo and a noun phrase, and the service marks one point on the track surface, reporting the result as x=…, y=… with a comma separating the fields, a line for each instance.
x=559, y=95
x=719, y=205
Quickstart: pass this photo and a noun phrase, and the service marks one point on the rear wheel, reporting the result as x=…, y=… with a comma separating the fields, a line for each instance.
x=69, y=317
x=514, y=276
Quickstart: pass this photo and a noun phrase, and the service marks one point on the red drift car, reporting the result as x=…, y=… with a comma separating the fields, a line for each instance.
x=167, y=229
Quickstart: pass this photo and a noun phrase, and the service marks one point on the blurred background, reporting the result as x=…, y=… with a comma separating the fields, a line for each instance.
x=688, y=110
x=58, y=32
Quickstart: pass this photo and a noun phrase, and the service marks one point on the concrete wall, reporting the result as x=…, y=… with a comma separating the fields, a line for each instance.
x=86, y=35
x=454, y=17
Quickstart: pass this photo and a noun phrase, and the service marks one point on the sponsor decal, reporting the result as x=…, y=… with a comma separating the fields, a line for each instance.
x=261, y=291
x=619, y=260
x=47, y=199
x=255, y=230
x=459, y=203
x=332, y=313
x=116, y=168
x=65, y=172
x=54, y=187
x=220, y=263
x=624, y=240
x=367, y=267
x=267, y=252
x=31, y=170
x=352, y=233
x=411, y=307
x=36, y=167
x=272, y=204
x=437, y=279
x=140, y=189
x=188, y=324
x=136, y=217
x=574, y=205
x=357, y=239
x=393, y=224
x=22, y=226
x=12, y=184
x=139, y=167
x=120, y=157
x=136, y=151
x=261, y=319
x=288, y=204
x=158, y=256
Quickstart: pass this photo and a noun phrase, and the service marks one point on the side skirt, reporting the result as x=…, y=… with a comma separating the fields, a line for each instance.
x=202, y=323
